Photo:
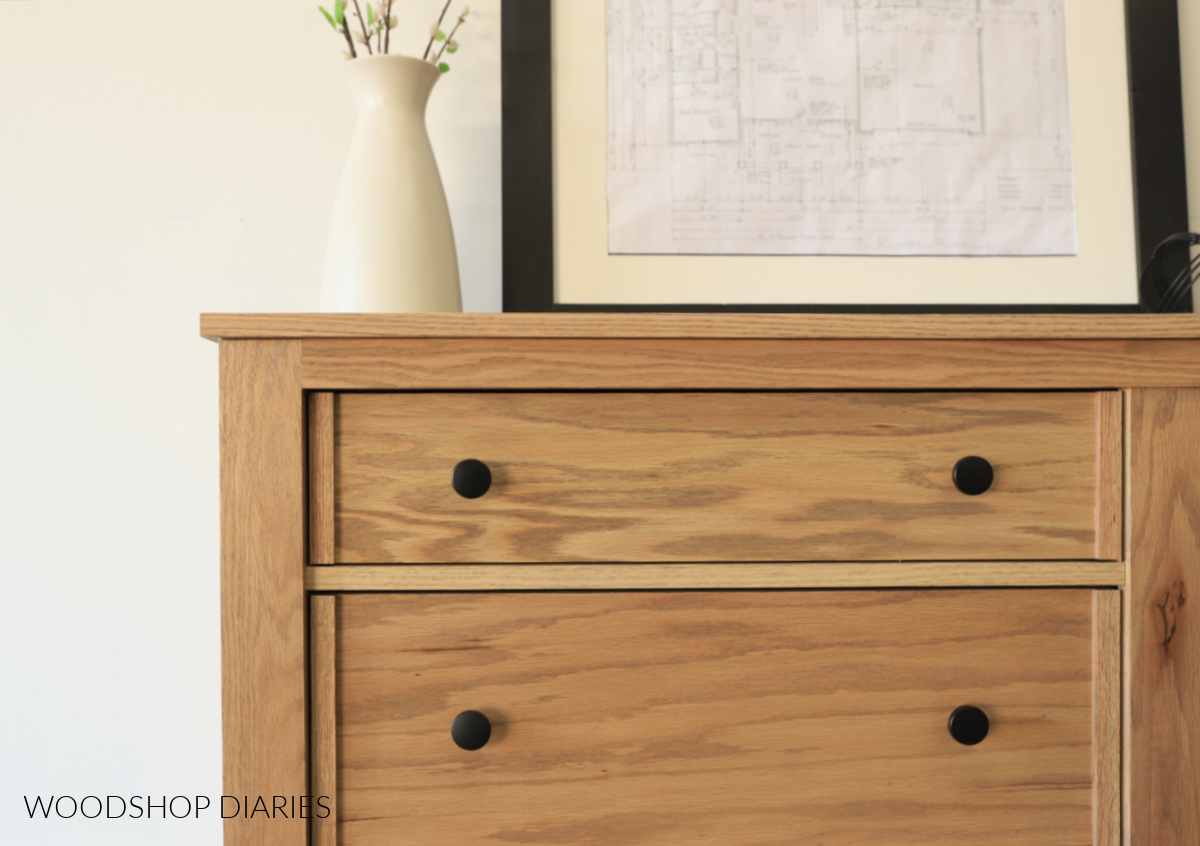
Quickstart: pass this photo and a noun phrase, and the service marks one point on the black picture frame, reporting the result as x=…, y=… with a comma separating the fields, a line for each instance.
x=1156, y=115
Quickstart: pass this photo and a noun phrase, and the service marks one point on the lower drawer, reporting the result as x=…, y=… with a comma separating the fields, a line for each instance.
x=747, y=718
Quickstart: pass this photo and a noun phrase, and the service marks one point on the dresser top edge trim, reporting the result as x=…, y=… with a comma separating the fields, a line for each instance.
x=574, y=326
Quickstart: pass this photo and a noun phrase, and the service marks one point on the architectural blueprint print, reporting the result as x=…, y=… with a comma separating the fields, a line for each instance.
x=839, y=127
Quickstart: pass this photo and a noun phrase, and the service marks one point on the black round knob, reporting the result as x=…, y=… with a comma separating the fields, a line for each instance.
x=471, y=730
x=471, y=478
x=968, y=725
x=973, y=475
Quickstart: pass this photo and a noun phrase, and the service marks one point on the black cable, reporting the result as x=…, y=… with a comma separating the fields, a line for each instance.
x=1180, y=286
x=1169, y=295
x=1168, y=292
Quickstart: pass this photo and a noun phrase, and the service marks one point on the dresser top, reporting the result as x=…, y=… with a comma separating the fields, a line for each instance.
x=708, y=325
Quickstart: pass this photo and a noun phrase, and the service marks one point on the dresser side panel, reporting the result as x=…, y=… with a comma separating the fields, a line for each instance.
x=1163, y=627
x=262, y=586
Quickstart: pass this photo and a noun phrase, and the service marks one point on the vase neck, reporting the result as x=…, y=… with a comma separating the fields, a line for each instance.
x=399, y=84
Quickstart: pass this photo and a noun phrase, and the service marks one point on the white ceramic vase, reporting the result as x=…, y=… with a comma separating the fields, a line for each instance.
x=391, y=245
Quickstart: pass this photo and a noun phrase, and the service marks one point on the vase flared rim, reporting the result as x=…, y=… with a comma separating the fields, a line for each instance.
x=393, y=66
x=394, y=58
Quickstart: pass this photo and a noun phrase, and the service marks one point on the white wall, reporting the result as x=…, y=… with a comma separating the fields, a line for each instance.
x=157, y=160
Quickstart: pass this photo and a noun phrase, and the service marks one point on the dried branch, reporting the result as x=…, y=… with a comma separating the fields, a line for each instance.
x=339, y=10
x=362, y=22
x=378, y=24
x=450, y=38
x=437, y=27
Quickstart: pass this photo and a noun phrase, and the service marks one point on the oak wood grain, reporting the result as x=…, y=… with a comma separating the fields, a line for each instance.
x=731, y=717
x=1163, y=627
x=262, y=585
x=741, y=576
x=323, y=707
x=885, y=326
x=1110, y=461
x=320, y=477
x=1106, y=717
x=703, y=364
x=714, y=477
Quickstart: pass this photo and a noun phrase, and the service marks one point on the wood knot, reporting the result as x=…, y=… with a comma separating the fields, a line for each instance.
x=1173, y=600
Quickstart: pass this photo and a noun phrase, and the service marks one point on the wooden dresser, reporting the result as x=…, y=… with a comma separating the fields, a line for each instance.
x=741, y=580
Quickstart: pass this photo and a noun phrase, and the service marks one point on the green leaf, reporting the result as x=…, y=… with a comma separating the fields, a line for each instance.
x=339, y=12
x=452, y=50
x=441, y=36
x=329, y=18
x=443, y=67
x=370, y=15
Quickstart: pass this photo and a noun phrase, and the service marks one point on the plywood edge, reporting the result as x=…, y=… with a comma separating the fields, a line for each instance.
x=472, y=577
x=323, y=693
x=1110, y=458
x=703, y=325
x=1106, y=718
x=321, y=538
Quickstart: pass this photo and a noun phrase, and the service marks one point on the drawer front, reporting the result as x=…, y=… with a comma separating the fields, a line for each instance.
x=715, y=717
x=715, y=477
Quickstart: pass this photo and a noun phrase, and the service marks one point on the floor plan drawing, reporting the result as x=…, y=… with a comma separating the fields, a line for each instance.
x=839, y=127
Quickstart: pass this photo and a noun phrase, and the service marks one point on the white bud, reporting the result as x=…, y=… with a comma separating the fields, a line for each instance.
x=466, y=11
x=433, y=31
x=358, y=37
x=392, y=22
x=347, y=55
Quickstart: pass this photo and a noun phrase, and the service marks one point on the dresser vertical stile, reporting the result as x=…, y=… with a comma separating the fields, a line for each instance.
x=263, y=620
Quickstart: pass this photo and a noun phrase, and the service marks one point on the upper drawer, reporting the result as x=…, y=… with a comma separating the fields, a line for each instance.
x=719, y=476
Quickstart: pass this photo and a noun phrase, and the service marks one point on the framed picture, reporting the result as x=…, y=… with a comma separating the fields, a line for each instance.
x=875, y=155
